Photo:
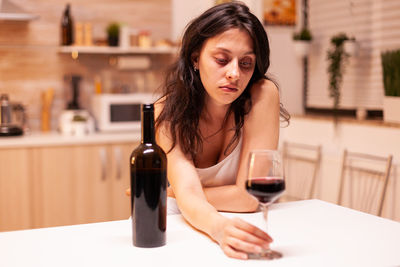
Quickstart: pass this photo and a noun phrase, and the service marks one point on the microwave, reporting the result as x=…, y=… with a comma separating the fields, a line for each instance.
x=119, y=112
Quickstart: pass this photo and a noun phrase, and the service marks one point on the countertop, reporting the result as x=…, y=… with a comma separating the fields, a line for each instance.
x=347, y=120
x=57, y=139
x=308, y=233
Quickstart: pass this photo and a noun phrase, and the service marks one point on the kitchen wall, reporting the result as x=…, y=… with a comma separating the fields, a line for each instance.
x=30, y=62
x=375, y=25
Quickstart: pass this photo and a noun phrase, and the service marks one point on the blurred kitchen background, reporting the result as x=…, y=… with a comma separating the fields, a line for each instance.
x=44, y=78
x=31, y=61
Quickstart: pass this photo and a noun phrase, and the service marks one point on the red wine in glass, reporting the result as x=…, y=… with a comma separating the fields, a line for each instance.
x=265, y=181
x=265, y=189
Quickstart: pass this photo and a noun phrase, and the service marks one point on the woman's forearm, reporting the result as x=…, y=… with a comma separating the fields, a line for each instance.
x=231, y=198
x=235, y=236
x=200, y=213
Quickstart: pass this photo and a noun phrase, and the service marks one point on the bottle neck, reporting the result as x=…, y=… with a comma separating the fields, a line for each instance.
x=66, y=11
x=148, y=135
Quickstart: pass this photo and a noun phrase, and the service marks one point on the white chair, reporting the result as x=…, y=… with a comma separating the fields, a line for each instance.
x=302, y=163
x=364, y=181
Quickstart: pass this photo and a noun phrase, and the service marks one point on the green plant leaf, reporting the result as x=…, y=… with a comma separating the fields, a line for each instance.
x=303, y=35
x=391, y=72
x=113, y=29
x=337, y=58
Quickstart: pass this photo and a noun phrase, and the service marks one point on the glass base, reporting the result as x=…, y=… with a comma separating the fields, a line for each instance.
x=265, y=255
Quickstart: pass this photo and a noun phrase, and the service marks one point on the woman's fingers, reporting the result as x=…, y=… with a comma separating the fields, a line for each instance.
x=230, y=252
x=237, y=238
x=249, y=228
x=241, y=245
x=250, y=238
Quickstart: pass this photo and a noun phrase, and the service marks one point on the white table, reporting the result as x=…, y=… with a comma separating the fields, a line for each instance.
x=308, y=233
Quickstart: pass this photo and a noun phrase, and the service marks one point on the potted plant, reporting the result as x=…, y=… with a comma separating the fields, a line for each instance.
x=113, y=34
x=302, y=42
x=337, y=58
x=391, y=82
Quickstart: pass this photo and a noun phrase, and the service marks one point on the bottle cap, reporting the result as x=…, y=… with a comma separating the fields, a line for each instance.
x=147, y=107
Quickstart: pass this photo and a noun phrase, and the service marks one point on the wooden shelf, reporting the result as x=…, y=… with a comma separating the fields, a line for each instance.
x=12, y=12
x=116, y=50
x=17, y=17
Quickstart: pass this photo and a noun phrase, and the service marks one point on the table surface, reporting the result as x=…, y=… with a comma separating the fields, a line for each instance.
x=308, y=233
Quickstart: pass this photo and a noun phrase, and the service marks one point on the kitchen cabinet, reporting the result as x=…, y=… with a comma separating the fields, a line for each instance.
x=92, y=184
x=62, y=185
x=82, y=184
x=100, y=188
x=15, y=189
x=54, y=192
x=120, y=176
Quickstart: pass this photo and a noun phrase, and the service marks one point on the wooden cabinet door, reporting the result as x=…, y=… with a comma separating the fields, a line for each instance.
x=81, y=184
x=74, y=185
x=92, y=183
x=15, y=189
x=120, y=179
x=54, y=192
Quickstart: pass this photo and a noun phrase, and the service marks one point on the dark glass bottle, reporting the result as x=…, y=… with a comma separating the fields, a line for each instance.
x=67, y=27
x=148, y=165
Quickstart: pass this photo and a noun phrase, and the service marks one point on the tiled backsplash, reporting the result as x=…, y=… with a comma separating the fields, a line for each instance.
x=30, y=62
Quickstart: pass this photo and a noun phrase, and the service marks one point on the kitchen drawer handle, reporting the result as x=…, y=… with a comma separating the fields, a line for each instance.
x=103, y=158
x=118, y=159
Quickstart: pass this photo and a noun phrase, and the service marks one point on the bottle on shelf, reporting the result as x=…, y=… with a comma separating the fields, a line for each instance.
x=78, y=34
x=145, y=39
x=88, y=34
x=148, y=165
x=67, y=27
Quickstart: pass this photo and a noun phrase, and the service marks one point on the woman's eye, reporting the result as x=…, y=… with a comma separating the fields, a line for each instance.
x=221, y=60
x=246, y=64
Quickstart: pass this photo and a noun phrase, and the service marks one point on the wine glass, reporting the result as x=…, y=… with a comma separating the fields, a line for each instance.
x=265, y=181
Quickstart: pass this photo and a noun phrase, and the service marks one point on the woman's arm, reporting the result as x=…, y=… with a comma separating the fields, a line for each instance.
x=260, y=131
x=234, y=236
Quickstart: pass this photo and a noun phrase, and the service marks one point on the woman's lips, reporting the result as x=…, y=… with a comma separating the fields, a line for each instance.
x=228, y=89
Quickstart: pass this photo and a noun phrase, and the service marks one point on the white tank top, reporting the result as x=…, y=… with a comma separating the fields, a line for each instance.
x=224, y=172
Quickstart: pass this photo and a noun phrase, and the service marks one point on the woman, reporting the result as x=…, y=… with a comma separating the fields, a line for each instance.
x=217, y=106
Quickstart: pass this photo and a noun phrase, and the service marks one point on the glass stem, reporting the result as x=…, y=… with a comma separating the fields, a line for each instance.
x=264, y=209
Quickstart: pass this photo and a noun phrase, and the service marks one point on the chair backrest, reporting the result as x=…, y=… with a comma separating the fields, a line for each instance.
x=364, y=181
x=302, y=163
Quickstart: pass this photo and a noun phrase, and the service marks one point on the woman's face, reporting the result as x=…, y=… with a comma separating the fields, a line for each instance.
x=226, y=64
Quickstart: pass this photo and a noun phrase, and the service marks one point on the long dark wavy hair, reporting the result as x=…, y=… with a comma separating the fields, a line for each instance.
x=184, y=94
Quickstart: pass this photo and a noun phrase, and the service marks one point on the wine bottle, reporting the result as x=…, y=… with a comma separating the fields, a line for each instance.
x=67, y=27
x=148, y=165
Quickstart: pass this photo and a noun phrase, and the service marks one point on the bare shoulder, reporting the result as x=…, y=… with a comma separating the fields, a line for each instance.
x=264, y=91
x=261, y=129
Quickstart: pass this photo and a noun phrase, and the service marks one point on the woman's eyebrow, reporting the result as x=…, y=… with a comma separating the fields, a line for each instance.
x=251, y=52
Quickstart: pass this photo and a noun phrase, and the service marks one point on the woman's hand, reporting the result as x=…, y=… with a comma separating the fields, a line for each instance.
x=237, y=238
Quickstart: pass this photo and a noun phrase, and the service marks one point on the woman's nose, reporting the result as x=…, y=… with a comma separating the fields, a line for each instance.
x=233, y=71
